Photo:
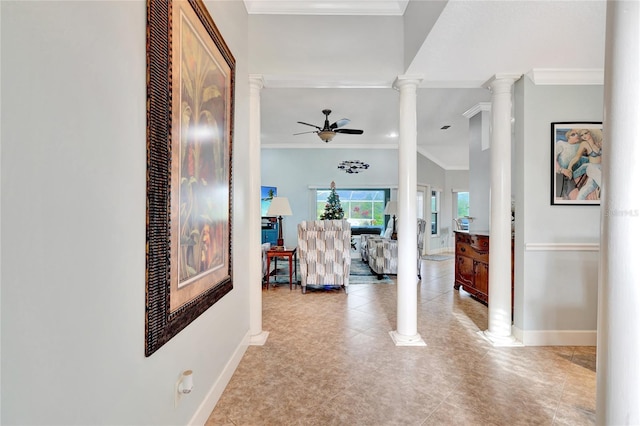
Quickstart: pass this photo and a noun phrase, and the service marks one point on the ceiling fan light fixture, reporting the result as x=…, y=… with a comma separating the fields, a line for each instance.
x=326, y=135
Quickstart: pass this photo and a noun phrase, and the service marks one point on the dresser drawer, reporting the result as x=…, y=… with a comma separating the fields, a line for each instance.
x=464, y=249
x=479, y=242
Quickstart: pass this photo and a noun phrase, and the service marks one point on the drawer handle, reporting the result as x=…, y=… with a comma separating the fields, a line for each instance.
x=463, y=249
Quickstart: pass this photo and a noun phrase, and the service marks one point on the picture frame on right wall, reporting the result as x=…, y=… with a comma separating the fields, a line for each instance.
x=576, y=162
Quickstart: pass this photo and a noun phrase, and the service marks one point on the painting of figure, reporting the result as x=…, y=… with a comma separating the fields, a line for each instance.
x=576, y=163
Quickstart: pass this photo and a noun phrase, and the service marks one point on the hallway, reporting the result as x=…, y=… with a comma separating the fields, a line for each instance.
x=329, y=360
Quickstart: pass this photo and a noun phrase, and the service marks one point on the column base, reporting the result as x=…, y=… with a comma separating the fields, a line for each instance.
x=500, y=341
x=259, y=339
x=402, y=340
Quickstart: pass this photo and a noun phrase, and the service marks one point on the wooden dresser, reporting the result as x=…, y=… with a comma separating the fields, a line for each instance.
x=472, y=264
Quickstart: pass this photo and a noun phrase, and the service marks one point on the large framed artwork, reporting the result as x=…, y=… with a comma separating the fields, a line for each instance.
x=576, y=161
x=190, y=94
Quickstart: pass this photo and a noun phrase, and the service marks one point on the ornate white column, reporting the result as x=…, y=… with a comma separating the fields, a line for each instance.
x=258, y=337
x=407, y=303
x=499, y=332
x=618, y=370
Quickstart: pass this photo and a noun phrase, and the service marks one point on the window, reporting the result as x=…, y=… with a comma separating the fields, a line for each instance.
x=462, y=208
x=362, y=207
x=435, y=212
x=420, y=196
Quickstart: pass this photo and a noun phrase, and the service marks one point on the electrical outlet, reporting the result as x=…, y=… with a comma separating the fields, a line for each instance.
x=177, y=393
x=184, y=385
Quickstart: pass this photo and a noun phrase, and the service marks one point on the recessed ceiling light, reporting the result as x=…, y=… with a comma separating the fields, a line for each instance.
x=393, y=135
x=445, y=127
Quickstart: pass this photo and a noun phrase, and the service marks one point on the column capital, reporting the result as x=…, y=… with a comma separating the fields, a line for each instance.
x=407, y=80
x=501, y=82
x=256, y=80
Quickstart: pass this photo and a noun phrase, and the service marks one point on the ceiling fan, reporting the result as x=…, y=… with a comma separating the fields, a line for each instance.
x=328, y=131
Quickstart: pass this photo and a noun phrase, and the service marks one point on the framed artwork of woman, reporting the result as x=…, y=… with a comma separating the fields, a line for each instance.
x=576, y=162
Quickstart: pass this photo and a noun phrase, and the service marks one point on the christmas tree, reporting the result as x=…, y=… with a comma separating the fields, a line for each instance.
x=333, y=209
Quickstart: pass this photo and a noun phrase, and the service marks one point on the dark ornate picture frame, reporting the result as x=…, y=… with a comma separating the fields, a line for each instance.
x=190, y=95
x=576, y=161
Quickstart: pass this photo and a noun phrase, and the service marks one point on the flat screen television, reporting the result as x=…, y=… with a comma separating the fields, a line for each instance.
x=266, y=194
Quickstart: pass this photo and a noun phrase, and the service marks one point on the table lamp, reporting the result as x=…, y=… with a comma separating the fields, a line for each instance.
x=392, y=209
x=279, y=207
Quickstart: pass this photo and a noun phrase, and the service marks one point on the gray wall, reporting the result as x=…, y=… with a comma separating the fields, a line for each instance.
x=73, y=195
x=556, y=289
x=419, y=17
x=295, y=171
x=479, y=175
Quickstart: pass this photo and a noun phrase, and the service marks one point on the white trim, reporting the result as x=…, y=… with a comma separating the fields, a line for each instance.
x=276, y=81
x=211, y=399
x=358, y=186
x=501, y=76
x=425, y=154
x=577, y=76
x=562, y=247
x=323, y=145
x=341, y=7
x=556, y=337
x=479, y=107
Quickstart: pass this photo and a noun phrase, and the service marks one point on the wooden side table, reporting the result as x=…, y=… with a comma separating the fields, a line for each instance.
x=292, y=255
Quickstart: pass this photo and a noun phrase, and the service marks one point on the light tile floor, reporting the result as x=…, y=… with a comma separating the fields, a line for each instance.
x=329, y=360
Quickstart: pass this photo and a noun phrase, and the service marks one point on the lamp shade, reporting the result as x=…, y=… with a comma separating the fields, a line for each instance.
x=279, y=207
x=391, y=208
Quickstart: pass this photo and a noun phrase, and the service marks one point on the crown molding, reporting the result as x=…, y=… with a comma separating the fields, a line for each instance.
x=326, y=7
x=327, y=145
x=324, y=82
x=428, y=156
x=481, y=106
x=566, y=77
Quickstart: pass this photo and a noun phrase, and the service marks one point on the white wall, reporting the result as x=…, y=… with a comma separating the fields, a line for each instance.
x=73, y=223
x=293, y=50
x=556, y=287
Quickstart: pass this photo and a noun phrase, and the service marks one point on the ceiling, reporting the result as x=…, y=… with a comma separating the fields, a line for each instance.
x=465, y=43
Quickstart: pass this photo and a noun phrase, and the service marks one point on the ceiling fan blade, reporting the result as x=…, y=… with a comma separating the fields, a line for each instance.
x=340, y=123
x=304, y=133
x=312, y=125
x=349, y=131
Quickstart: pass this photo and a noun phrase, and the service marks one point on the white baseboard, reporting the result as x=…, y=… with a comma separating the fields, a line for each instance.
x=556, y=337
x=208, y=404
x=440, y=250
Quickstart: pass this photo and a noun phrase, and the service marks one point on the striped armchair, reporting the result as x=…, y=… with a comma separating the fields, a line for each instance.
x=324, y=251
x=383, y=256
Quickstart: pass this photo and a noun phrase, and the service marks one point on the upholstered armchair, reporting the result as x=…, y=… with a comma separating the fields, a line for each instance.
x=324, y=251
x=265, y=247
x=383, y=255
